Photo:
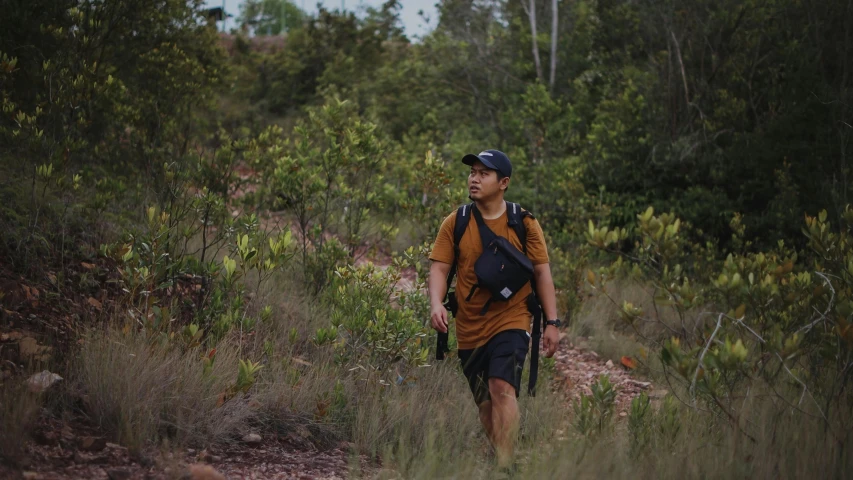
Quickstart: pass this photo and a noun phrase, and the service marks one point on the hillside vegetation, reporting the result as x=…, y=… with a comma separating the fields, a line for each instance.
x=206, y=234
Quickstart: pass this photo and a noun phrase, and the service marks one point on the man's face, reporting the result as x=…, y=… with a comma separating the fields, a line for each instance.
x=483, y=183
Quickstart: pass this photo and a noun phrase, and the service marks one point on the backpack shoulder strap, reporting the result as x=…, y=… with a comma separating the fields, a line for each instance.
x=516, y=216
x=463, y=216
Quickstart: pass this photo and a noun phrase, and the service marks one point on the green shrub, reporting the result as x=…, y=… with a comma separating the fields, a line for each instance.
x=772, y=319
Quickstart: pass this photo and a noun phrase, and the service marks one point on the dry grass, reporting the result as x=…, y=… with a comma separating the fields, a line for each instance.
x=19, y=409
x=599, y=324
x=141, y=390
x=788, y=446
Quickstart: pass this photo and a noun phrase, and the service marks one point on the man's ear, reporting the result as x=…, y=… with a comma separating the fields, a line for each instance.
x=504, y=183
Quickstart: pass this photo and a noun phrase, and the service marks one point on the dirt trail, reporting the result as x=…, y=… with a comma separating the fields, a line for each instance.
x=578, y=370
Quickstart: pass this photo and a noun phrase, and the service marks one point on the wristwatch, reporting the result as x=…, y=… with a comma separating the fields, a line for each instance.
x=556, y=322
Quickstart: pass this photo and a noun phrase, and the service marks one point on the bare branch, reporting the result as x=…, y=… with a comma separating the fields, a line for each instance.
x=701, y=358
x=531, y=14
x=555, y=19
x=681, y=64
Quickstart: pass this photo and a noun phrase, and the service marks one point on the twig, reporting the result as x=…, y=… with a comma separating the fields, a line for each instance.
x=701, y=358
x=782, y=361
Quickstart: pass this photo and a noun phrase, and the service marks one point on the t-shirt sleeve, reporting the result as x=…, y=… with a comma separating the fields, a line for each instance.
x=537, y=251
x=442, y=250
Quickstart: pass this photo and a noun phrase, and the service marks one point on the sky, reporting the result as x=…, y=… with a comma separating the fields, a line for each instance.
x=412, y=22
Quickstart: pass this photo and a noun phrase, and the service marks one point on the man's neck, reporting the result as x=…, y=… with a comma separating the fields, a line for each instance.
x=491, y=209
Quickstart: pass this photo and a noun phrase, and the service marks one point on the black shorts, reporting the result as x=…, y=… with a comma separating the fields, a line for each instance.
x=501, y=357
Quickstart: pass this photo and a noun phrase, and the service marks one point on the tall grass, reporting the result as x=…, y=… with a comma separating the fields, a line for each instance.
x=143, y=390
x=19, y=410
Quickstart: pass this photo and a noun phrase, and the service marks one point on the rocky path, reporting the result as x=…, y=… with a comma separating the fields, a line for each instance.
x=578, y=370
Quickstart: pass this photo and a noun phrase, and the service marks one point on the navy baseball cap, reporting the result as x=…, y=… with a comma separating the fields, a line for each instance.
x=494, y=159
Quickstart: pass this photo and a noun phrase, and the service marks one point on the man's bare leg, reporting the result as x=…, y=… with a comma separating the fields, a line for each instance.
x=504, y=419
x=486, y=419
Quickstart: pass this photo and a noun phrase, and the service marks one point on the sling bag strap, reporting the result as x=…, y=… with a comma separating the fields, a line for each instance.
x=486, y=237
x=463, y=215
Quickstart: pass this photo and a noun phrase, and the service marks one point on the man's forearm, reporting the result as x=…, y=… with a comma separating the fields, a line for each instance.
x=437, y=285
x=546, y=292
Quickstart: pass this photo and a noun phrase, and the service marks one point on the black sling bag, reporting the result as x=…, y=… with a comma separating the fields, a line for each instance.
x=502, y=270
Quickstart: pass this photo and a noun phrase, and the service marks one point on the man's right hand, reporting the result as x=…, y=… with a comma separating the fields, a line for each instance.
x=438, y=318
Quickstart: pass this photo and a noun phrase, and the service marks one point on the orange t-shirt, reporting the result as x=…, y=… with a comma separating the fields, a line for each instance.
x=473, y=329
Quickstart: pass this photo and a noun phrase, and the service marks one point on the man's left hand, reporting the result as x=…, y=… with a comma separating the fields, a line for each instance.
x=550, y=340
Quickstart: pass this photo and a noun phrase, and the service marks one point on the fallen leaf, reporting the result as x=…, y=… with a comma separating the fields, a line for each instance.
x=30, y=350
x=629, y=362
x=12, y=336
x=95, y=303
x=87, y=266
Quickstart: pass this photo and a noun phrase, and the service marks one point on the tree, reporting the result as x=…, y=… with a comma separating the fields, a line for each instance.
x=531, y=14
x=271, y=17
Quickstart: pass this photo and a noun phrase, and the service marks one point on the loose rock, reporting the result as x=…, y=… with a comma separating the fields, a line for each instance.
x=92, y=444
x=41, y=381
x=252, y=439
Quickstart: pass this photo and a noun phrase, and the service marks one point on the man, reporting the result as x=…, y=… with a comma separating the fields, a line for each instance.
x=492, y=346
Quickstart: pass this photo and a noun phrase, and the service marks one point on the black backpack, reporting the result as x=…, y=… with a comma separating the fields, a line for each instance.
x=501, y=269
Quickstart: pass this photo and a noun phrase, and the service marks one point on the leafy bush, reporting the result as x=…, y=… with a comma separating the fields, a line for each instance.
x=379, y=324
x=777, y=319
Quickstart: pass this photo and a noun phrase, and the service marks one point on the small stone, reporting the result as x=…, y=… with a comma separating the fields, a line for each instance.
x=252, y=439
x=623, y=414
x=41, y=381
x=118, y=474
x=92, y=444
x=609, y=364
x=204, y=472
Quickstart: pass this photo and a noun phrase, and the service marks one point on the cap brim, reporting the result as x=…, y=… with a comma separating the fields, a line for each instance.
x=470, y=159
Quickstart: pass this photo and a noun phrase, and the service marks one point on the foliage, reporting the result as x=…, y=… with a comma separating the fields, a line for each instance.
x=270, y=17
x=328, y=180
x=380, y=322
x=777, y=322
x=594, y=412
x=91, y=91
x=125, y=124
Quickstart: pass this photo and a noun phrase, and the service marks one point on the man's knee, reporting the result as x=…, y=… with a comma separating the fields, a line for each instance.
x=500, y=390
